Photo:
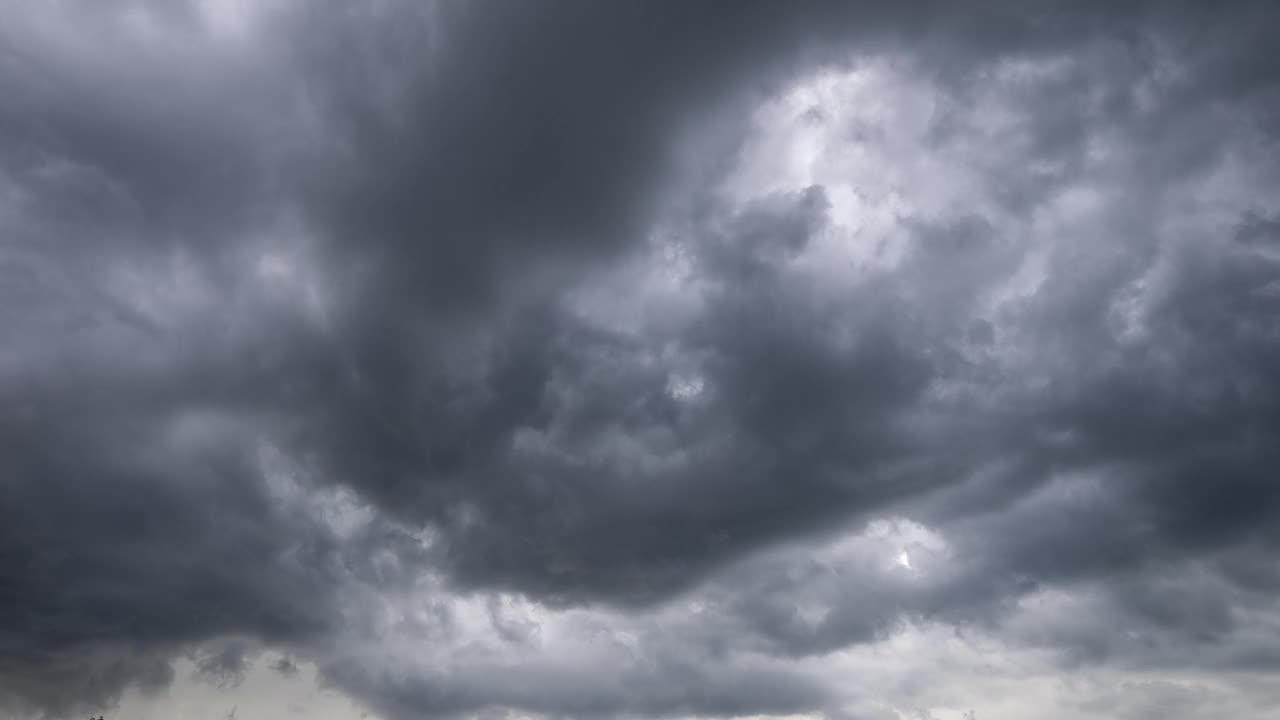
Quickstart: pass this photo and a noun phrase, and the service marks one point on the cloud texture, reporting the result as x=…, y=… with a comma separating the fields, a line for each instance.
x=595, y=359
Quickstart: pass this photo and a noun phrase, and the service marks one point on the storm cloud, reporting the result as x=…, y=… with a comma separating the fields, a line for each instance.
x=605, y=359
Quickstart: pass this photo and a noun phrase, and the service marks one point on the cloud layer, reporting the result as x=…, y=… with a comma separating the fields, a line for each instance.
x=581, y=359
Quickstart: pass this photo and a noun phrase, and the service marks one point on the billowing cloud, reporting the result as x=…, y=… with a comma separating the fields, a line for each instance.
x=592, y=360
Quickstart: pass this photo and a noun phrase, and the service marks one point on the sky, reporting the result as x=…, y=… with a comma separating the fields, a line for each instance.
x=593, y=359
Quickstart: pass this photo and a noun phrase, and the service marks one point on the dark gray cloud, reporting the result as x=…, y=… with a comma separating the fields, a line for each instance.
x=285, y=666
x=299, y=307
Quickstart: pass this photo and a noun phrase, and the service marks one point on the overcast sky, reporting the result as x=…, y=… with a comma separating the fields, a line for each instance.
x=608, y=359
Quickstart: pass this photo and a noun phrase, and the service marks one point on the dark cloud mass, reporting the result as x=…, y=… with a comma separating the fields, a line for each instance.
x=604, y=359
